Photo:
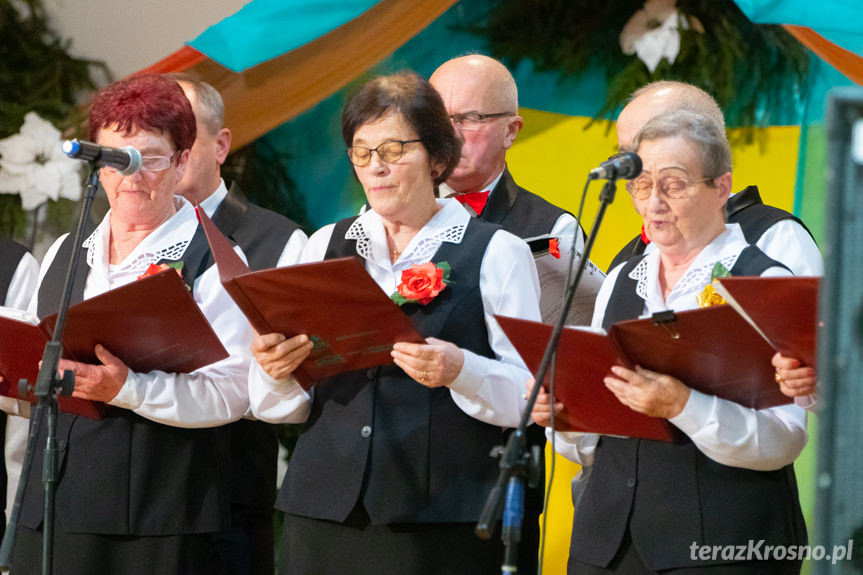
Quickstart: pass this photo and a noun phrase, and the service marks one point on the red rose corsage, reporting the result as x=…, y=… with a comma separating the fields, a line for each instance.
x=421, y=283
x=154, y=269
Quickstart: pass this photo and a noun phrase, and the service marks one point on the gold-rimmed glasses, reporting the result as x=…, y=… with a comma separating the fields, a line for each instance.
x=389, y=152
x=672, y=183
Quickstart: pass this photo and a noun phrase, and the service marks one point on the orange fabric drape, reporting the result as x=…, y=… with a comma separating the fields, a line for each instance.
x=843, y=60
x=179, y=61
x=269, y=94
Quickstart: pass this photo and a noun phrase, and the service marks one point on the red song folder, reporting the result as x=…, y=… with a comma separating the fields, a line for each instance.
x=152, y=323
x=783, y=310
x=712, y=350
x=352, y=323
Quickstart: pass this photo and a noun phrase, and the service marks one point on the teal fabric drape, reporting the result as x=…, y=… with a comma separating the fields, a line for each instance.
x=840, y=21
x=264, y=29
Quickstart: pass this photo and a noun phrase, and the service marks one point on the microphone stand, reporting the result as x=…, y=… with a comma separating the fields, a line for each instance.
x=514, y=460
x=48, y=385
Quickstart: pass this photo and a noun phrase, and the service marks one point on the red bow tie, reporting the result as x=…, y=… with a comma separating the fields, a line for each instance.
x=475, y=200
x=644, y=237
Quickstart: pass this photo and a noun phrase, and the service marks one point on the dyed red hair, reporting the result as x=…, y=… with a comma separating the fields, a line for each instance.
x=149, y=102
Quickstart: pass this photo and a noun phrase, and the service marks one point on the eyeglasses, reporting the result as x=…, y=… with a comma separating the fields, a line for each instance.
x=151, y=163
x=672, y=184
x=474, y=120
x=388, y=152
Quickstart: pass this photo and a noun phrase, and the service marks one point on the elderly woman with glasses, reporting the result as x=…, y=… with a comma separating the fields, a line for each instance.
x=651, y=506
x=141, y=489
x=392, y=468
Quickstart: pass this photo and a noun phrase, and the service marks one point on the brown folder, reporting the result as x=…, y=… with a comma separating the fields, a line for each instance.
x=150, y=324
x=712, y=350
x=352, y=323
x=784, y=310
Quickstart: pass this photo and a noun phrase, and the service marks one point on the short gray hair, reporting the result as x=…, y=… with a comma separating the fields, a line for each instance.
x=211, y=107
x=700, y=130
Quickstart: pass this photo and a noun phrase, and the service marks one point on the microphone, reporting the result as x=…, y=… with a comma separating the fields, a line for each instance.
x=126, y=160
x=622, y=166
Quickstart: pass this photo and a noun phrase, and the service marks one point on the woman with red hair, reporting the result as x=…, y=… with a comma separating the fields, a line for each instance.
x=140, y=490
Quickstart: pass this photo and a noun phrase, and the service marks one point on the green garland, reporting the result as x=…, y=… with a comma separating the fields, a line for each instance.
x=261, y=170
x=36, y=74
x=757, y=73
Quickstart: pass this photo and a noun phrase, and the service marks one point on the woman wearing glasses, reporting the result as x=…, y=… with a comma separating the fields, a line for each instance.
x=651, y=506
x=140, y=490
x=392, y=469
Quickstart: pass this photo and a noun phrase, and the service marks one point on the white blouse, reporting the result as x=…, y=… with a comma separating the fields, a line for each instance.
x=725, y=431
x=490, y=390
x=213, y=395
x=23, y=283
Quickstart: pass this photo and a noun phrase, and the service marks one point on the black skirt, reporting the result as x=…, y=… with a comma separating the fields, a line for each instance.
x=356, y=547
x=88, y=554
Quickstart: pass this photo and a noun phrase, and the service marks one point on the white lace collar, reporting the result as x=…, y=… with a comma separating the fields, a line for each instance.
x=725, y=249
x=447, y=225
x=167, y=242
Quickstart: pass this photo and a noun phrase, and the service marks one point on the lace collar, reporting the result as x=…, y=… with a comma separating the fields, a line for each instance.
x=447, y=225
x=725, y=249
x=167, y=242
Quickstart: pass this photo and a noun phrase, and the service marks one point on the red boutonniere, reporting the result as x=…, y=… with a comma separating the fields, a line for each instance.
x=154, y=269
x=421, y=283
x=554, y=247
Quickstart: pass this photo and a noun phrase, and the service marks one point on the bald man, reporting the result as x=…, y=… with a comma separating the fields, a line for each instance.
x=779, y=234
x=269, y=240
x=481, y=98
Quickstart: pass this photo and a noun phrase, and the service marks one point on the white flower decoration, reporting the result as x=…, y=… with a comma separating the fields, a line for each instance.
x=653, y=32
x=33, y=164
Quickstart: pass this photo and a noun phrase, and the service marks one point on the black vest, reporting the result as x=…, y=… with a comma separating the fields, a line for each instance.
x=518, y=211
x=254, y=447
x=622, y=305
x=124, y=474
x=262, y=234
x=10, y=256
x=407, y=452
x=683, y=496
x=744, y=208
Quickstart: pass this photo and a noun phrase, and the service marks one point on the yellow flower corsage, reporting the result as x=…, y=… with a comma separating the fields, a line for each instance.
x=708, y=295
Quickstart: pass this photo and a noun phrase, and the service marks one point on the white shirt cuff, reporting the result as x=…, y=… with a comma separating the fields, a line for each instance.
x=692, y=418
x=470, y=378
x=131, y=395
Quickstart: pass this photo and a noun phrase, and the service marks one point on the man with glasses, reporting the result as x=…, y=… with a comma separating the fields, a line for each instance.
x=481, y=98
x=779, y=234
x=268, y=240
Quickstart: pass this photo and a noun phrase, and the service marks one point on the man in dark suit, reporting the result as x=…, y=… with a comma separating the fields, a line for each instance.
x=269, y=240
x=779, y=234
x=481, y=97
